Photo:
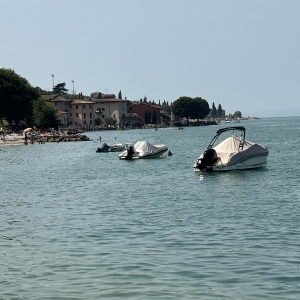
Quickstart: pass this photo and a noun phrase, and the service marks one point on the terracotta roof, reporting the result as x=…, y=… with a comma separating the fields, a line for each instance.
x=108, y=100
x=80, y=101
x=55, y=98
x=145, y=103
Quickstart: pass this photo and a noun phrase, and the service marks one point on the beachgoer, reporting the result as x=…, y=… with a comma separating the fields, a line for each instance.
x=100, y=139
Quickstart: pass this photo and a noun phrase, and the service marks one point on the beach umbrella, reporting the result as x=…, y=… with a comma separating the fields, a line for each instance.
x=27, y=130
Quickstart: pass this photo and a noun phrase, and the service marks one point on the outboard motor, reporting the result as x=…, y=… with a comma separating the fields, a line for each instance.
x=130, y=152
x=208, y=159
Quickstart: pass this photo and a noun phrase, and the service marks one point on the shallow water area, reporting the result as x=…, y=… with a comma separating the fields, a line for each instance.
x=76, y=224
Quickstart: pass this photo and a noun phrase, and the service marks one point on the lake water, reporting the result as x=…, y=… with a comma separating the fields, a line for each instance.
x=76, y=224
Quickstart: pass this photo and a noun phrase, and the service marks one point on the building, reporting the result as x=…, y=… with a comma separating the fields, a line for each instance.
x=148, y=111
x=90, y=112
x=119, y=110
x=81, y=113
x=60, y=103
x=62, y=106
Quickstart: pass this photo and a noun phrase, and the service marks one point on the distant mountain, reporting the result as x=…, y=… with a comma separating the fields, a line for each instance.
x=274, y=113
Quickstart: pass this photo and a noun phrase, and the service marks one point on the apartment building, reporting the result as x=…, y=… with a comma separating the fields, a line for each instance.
x=84, y=112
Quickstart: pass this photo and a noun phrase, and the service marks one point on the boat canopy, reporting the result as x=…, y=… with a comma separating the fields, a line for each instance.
x=230, y=153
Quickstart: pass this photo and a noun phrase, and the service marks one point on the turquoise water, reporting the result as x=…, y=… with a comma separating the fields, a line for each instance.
x=76, y=224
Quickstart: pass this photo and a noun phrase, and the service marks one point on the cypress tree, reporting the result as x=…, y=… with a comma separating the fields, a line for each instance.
x=214, y=110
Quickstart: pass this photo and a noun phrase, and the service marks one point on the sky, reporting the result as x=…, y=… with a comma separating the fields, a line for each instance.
x=242, y=54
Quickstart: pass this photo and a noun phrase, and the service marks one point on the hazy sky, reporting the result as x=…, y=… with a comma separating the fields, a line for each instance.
x=243, y=54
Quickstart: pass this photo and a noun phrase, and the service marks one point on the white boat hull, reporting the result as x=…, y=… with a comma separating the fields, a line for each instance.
x=140, y=155
x=252, y=163
x=143, y=149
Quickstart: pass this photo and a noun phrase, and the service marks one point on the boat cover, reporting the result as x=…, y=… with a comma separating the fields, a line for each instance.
x=145, y=147
x=104, y=147
x=229, y=153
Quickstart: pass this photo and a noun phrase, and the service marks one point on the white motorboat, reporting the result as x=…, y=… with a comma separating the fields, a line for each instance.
x=143, y=149
x=116, y=147
x=233, y=153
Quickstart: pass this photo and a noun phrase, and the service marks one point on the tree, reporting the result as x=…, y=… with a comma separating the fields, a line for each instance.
x=44, y=114
x=60, y=88
x=120, y=95
x=149, y=117
x=16, y=97
x=214, y=110
x=110, y=121
x=183, y=107
x=238, y=114
x=166, y=107
x=200, y=108
x=154, y=118
x=220, y=111
x=98, y=121
x=146, y=117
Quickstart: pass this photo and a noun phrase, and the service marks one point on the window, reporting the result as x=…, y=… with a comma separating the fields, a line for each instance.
x=90, y=115
x=103, y=109
x=55, y=103
x=70, y=114
x=84, y=115
x=90, y=106
x=91, y=122
x=83, y=106
x=77, y=114
x=76, y=106
x=102, y=116
x=114, y=115
x=66, y=110
x=70, y=106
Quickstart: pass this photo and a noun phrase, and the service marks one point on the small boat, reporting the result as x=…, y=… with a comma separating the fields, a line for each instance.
x=143, y=149
x=116, y=147
x=233, y=153
x=103, y=148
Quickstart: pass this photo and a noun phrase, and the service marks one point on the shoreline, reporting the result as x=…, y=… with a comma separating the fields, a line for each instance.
x=11, y=143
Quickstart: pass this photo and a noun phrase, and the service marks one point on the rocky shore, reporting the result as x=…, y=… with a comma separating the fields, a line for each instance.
x=62, y=138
